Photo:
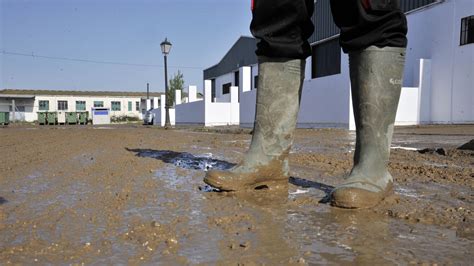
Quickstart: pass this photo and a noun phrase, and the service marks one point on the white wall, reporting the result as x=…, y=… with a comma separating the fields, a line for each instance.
x=247, y=108
x=434, y=33
x=325, y=101
x=206, y=112
x=190, y=113
x=221, y=113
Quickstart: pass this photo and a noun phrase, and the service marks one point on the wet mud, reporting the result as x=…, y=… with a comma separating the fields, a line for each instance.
x=132, y=194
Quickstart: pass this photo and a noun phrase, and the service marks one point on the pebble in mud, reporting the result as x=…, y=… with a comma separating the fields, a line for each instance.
x=171, y=241
x=245, y=245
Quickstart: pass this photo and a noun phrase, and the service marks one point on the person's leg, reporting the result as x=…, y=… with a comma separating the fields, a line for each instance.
x=373, y=34
x=282, y=28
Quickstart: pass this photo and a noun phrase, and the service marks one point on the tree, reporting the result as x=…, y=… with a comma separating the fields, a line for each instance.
x=176, y=83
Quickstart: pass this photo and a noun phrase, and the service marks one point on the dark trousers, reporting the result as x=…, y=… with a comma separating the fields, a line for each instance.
x=282, y=27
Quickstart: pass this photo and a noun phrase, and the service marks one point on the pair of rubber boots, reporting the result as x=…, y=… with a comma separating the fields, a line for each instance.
x=376, y=78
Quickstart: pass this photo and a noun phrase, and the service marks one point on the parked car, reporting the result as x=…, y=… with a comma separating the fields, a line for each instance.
x=149, y=117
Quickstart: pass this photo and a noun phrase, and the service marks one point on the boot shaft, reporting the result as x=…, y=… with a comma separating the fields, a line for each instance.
x=278, y=99
x=376, y=80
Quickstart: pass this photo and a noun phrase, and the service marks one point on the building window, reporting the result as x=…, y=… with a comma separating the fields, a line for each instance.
x=130, y=106
x=467, y=30
x=326, y=59
x=44, y=105
x=236, y=79
x=115, y=106
x=62, y=105
x=80, y=105
x=226, y=88
x=137, y=106
x=255, y=82
x=98, y=103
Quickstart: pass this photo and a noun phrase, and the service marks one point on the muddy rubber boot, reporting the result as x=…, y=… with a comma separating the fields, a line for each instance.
x=278, y=99
x=376, y=80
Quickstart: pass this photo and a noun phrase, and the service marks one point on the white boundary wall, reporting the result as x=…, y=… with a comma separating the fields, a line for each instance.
x=206, y=112
x=326, y=101
x=160, y=113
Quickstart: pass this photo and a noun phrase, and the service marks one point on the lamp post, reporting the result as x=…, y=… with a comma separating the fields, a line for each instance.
x=165, y=49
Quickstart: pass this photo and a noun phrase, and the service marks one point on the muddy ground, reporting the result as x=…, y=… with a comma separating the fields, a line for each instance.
x=134, y=194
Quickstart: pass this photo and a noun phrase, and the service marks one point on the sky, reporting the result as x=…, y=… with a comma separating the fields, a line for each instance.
x=114, y=45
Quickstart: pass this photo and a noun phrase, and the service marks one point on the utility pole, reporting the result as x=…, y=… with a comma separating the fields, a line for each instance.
x=148, y=91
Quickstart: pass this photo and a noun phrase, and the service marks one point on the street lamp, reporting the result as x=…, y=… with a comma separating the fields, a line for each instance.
x=165, y=49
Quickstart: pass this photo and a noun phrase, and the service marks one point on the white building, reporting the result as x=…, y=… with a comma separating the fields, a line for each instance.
x=438, y=85
x=27, y=103
x=438, y=82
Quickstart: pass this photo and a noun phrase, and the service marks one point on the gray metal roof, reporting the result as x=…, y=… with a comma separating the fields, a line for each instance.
x=241, y=54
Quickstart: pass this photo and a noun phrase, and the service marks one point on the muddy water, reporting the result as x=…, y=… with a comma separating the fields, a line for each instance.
x=134, y=195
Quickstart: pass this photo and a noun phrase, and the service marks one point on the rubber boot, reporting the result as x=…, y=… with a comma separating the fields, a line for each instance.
x=376, y=79
x=265, y=165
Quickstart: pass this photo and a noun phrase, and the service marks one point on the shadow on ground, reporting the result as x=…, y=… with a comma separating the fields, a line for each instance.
x=304, y=183
x=183, y=159
x=3, y=200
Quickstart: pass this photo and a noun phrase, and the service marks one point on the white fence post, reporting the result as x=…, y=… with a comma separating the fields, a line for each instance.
x=234, y=106
x=207, y=91
x=177, y=97
x=234, y=94
x=155, y=103
x=245, y=76
x=424, y=90
x=162, y=109
x=192, y=94
x=148, y=104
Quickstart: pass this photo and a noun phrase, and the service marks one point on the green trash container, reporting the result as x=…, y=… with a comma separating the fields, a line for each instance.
x=42, y=118
x=52, y=118
x=4, y=118
x=71, y=118
x=83, y=117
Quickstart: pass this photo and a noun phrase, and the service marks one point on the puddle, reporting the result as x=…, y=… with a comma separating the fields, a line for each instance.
x=184, y=159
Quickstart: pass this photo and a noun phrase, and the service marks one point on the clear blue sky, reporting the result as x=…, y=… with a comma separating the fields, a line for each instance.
x=123, y=31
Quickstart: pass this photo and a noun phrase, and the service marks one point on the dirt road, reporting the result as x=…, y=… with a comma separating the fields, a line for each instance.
x=134, y=194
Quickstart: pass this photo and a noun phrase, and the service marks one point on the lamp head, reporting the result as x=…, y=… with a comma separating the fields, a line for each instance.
x=165, y=47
